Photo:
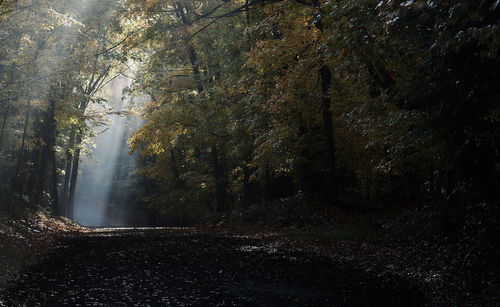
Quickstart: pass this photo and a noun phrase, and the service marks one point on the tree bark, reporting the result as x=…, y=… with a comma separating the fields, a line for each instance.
x=53, y=186
x=220, y=181
x=218, y=165
x=23, y=142
x=191, y=51
x=196, y=68
x=4, y=123
x=65, y=191
x=74, y=177
x=35, y=158
x=49, y=135
x=330, y=190
x=67, y=173
x=246, y=192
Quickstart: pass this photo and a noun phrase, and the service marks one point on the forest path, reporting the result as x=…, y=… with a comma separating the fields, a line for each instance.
x=163, y=267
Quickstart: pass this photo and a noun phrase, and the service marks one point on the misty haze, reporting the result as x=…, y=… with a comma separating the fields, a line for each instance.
x=249, y=153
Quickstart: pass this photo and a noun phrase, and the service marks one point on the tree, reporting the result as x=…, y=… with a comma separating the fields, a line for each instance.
x=53, y=73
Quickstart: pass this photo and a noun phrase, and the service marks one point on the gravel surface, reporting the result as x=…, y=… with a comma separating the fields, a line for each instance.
x=178, y=267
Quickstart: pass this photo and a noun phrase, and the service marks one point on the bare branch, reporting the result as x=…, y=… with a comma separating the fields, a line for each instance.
x=117, y=44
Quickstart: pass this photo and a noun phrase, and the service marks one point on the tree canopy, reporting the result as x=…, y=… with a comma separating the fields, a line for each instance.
x=251, y=101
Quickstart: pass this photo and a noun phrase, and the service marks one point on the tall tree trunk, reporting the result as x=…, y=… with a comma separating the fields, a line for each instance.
x=218, y=165
x=330, y=190
x=49, y=135
x=35, y=158
x=246, y=193
x=11, y=76
x=196, y=67
x=65, y=190
x=20, y=161
x=220, y=181
x=73, y=179
x=53, y=185
x=191, y=51
x=67, y=173
x=4, y=123
x=96, y=83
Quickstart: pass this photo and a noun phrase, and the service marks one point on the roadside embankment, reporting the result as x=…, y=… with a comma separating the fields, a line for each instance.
x=26, y=234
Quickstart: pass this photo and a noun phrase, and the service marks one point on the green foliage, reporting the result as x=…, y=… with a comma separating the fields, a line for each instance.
x=50, y=72
x=238, y=110
x=247, y=81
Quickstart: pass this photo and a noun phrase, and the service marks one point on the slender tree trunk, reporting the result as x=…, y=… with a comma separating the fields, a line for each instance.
x=330, y=190
x=67, y=173
x=40, y=177
x=23, y=142
x=67, y=177
x=12, y=77
x=48, y=139
x=191, y=51
x=220, y=181
x=73, y=179
x=28, y=108
x=196, y=68
x=96, y=82
x=53, y=186
x=4, y=123
x=49, y=135
x=35, y=158
x=245, y=193
x=218, y=166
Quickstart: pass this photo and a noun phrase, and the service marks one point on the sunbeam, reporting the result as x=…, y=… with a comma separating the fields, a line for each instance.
x=105, y=182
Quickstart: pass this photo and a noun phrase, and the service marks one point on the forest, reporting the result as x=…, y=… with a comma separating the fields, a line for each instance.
x=306, y=117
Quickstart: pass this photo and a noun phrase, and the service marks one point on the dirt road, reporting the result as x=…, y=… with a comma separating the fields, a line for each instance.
x=183, y=267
